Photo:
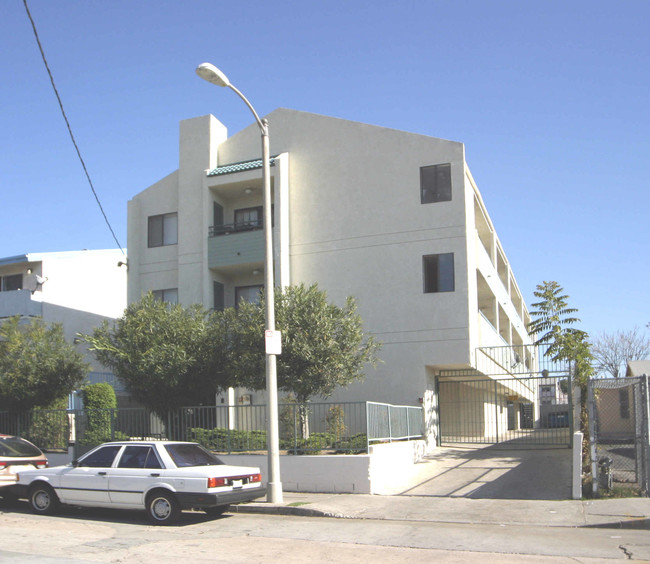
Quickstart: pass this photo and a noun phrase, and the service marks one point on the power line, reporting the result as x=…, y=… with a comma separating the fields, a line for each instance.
x=65, y=117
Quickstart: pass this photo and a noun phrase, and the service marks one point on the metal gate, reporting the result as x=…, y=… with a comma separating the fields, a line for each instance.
x=619, y=429
x=516, y=412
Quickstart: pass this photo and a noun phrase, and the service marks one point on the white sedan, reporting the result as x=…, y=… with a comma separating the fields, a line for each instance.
x=161, y=477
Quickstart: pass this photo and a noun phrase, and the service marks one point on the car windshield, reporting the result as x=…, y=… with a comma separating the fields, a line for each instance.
x=18, y=448
x=185, y=455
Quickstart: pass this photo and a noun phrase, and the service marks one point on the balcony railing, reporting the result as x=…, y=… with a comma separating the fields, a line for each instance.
x=227, y=229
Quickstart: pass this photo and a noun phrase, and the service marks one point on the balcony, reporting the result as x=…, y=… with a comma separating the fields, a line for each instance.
x=19, y=302
x=236, y=246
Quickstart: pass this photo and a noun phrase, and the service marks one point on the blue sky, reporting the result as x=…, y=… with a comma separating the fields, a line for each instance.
x=550, y=99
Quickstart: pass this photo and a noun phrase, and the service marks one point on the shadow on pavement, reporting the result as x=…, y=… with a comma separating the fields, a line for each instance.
x=498, y=473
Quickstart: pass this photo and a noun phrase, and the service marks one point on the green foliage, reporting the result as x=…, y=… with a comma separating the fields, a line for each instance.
x=228, y=439
x=323, y=345
x=99, y=396
x=49, y=428
x=100, y=404
x=167, y=356
x=551, y=323
x=37, y=365
x=335, y=419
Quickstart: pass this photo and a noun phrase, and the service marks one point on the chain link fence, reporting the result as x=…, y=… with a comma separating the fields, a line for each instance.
x=619, y=433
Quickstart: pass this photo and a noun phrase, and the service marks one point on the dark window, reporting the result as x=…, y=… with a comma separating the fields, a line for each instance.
x=249, y=294
x=10, y=283
x=248, y=218
x=438, y=273
x=170, y=295
x=102, y=458
x=624, y=403
x=15, y=447
x=163, y=230
x=217, y=215
x=185, y=455
x=219, y=300
x=139, y=457
x=435, y=183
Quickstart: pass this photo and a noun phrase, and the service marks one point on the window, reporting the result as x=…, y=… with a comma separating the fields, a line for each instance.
x=248, y=218
x=163, y=230
x=435, y=183
x=438, y=273
x=10, y=283
x=624, y=403
x=219, y=299
x=249, y=294
x=170, y=295
x=102, y=458
x=139, y=457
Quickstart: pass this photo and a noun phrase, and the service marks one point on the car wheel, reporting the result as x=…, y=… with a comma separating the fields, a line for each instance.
x=43, y=499
x=162, y=508
x=216, y=511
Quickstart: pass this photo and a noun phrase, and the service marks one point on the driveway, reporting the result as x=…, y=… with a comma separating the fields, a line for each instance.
x=496, y=473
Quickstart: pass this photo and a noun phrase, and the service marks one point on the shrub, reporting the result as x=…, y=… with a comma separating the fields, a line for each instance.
x=227, y=440
x=100, y=404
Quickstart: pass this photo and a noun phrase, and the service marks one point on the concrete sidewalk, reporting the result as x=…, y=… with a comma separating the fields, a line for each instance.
x=489, y=485
x=631, y=513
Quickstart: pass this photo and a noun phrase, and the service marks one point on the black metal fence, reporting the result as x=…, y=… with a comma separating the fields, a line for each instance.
x=347, y=427
x=516, y=412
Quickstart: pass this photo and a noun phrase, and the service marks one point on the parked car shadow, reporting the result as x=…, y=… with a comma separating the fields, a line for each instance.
x=107, y=515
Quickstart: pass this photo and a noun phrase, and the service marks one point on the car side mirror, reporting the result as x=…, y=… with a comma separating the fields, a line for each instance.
x=75, y=463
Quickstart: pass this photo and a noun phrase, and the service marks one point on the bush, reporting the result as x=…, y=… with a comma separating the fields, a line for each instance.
x=228, y=439
x=50, y=428
x=100, y=404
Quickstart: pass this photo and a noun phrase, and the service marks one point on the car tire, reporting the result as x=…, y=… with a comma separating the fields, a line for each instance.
x=216, y=511
x=162, y=508
x=43, y=499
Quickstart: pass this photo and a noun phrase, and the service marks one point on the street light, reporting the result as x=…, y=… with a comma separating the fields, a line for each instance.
x=213, y=75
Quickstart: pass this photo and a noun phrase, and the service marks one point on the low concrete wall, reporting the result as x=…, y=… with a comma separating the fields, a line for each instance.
x=388, y=469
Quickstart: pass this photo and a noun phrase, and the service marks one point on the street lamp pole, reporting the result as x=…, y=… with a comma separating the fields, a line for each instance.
x=213, y=75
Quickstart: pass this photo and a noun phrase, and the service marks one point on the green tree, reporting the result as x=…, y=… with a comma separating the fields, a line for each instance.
x=323, y=345
x=167, y=356
x=551, y=325
x=99, y=403
x=37, y=365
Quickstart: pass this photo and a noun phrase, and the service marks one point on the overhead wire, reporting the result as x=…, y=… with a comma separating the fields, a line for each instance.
x=65, y=117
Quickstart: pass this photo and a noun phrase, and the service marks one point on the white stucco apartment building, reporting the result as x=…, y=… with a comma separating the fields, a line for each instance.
x=390, y=217
x=78, y=289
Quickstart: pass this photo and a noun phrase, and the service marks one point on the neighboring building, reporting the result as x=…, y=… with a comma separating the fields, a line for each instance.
x=638, y=368
x=392, y=218
x=78, y=289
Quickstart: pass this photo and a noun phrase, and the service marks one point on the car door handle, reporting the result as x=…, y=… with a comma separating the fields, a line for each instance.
x=154, y=475
x=101, y=473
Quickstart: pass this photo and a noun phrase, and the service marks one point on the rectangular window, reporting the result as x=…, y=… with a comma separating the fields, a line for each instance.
x=163, y=230
x=438, y=273
x=624, y=403
x=219, y=300
x=11, y=283
x=435, y=183
x=248, y=218
x=169, y=295
x=249, y=294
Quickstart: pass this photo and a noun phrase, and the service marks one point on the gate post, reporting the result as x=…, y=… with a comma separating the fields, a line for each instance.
x=496, y=410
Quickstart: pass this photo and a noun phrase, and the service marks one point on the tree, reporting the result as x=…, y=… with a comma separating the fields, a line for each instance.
x=167, y=356
x=551, y=319
x=550, y=325
x=613, y=350
x=37, y=365
x=323, y=345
